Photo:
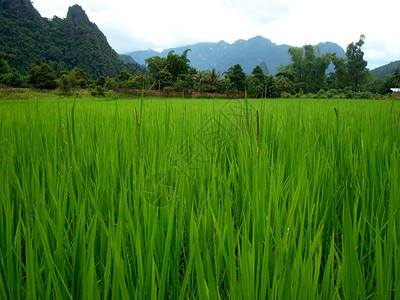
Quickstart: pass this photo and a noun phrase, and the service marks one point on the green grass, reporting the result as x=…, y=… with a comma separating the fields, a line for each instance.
x=178, y=198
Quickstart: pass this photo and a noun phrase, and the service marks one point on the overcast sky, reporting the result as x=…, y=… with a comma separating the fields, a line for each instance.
x=131, y=25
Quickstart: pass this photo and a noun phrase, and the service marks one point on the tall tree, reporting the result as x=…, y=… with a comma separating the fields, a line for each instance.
x=356, y=65
x=178, y=64
x=258, y=73
x=256, y=84
x=156, y=64
x=236, y=76
x=309, y=68
x=341, y=73
x=214, y=79
x=167, y=70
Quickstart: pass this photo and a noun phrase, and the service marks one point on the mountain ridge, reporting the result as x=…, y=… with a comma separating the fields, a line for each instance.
x=248, y=53
x=385, y=70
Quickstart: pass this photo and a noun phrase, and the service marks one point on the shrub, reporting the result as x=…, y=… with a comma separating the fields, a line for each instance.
x=42, y=77
x=98, y=91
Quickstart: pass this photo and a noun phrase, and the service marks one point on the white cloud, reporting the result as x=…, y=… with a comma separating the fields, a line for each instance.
x=137, y=25
x=259, y=11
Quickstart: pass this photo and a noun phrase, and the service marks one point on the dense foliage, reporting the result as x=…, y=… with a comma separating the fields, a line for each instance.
x=308, y=69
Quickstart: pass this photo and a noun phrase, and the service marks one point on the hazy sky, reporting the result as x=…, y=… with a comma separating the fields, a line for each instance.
x=131, y=25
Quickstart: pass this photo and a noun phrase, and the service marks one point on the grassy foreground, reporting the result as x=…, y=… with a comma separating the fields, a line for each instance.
x=173, y=198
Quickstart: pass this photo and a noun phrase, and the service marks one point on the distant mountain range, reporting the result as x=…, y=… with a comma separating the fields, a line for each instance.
x=26, y=38
x=248, y=53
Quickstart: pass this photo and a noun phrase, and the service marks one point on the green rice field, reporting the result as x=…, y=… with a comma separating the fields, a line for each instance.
x=152, y=198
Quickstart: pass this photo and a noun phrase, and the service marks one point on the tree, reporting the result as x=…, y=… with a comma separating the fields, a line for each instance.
x=140, y=81
x=178, y=64
x=123, y=76
x=12, y=79
x=396, y=76
x=6, y=77
x=282, y=85
x=214, y=80
x=258, y=73
x=166, y=71
x=377, y=86
x=341, y=72
x=356, y=65
x=64, y=83
x=283, y=82
x=256, y=83
x=200, y=81
x=4, y=68
x=229, y=87
x=79, y=77
x=42, y=77
x=264, y=85
x=309, y=68
x=270, y=88
x=164, y=79
x=254, y=86
x=236, y=76
x=101, y=81
x=156, y=64
x=184, y=83
x=207, y=81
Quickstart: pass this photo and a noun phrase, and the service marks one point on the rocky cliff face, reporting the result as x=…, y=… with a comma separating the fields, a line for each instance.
x=77, y=16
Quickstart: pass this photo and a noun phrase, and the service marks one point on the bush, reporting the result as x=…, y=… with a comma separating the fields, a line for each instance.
x=331, y=93
x=110, y=84
x=65, y=84
x=98, y=91
x=12, y=80
x=101, y=81
x=361, y=95
x=42, y=77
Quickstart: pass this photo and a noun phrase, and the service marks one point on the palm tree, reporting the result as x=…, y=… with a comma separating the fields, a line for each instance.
x=215, y=78
x=199, y=80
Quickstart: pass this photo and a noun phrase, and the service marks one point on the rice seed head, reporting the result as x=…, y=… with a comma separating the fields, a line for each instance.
x=137, y=118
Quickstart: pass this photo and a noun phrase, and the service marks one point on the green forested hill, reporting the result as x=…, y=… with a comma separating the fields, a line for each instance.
x=385, y=70
x=26, y=38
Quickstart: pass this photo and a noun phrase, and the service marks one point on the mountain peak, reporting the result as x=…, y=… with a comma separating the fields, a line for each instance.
x=77, y=15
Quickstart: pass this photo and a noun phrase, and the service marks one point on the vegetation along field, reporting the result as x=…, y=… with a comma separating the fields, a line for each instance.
x=173, y=198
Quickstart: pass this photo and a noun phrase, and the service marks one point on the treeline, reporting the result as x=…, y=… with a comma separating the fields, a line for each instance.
x=306, y=76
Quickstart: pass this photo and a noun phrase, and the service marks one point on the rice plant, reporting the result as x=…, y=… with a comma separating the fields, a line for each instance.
x=208, y=199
